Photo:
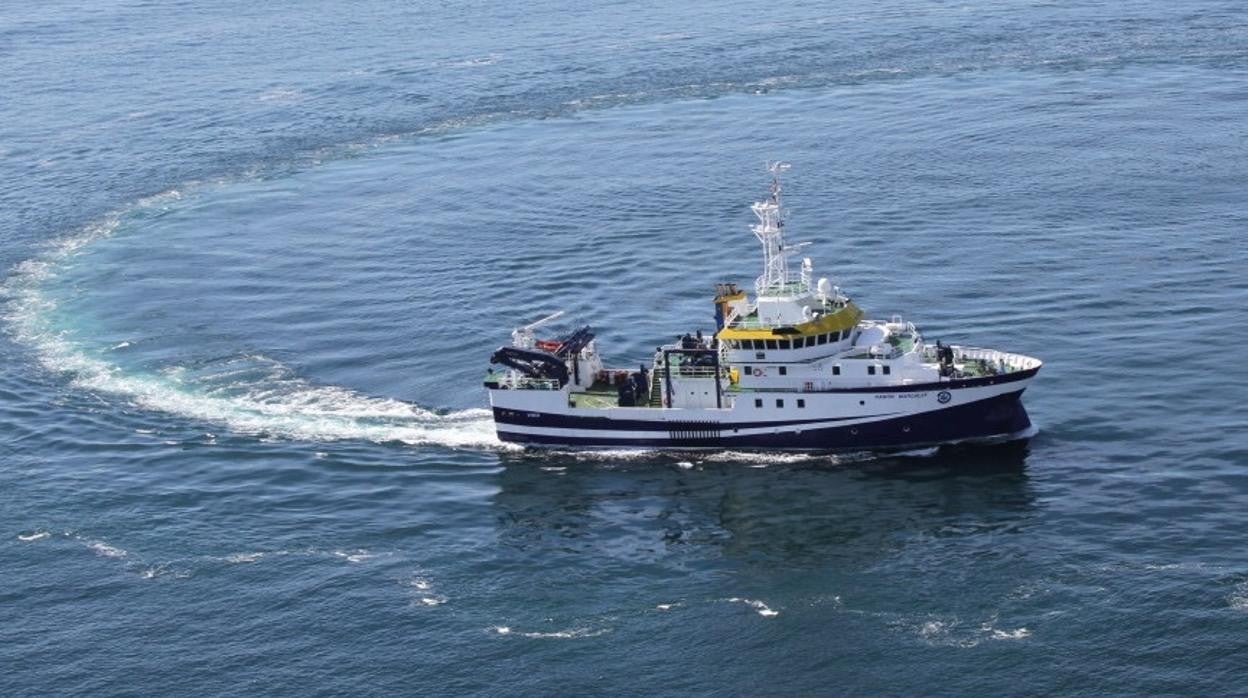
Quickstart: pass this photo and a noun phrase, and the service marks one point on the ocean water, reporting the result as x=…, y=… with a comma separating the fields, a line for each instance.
x=255, y=257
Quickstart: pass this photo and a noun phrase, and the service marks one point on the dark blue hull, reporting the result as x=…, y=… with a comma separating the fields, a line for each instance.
x=1002, y=415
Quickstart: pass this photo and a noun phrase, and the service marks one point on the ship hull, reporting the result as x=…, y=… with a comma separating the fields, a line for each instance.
x=885, y=417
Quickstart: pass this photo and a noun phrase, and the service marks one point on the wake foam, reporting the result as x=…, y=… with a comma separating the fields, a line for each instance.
x=950, y=632
x=759, y=607
x=571, y=634
x=1238, y=599
x=249, y=394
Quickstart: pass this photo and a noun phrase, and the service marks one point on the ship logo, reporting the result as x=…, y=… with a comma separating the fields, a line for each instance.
x=943, y=396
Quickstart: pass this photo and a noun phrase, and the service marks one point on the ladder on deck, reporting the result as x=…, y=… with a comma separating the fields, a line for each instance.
x=656, y=388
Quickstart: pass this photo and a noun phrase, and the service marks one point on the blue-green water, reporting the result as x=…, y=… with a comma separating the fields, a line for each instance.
x=256, y=256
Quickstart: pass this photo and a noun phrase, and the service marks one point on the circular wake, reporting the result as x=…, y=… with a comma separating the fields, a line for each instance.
x=250, y=394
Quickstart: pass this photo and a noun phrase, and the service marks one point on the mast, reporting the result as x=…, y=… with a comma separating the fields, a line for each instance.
x=770, y=232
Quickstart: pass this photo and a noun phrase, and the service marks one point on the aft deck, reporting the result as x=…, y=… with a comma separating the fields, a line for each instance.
x=600, y=394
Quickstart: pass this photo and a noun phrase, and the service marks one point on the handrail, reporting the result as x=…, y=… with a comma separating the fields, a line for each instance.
x=514, y=382
x=689, y=371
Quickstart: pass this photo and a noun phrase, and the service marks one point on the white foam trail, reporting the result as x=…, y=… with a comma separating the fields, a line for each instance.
x=354, y=556
x=762, y=608
x=952, y=633
x=557, y=634
x=294, y=409
x=102, y=548
x=567, y=634
x=778, y=457
x=37, y=535
x=154, y=571
x=1239, y=599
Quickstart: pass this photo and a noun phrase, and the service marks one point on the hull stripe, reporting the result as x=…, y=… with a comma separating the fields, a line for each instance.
x=996, y=416
x=523, y=418
x=953, y=384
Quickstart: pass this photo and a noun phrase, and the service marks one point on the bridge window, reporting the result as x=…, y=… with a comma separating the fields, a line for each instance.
x=823, y=338
x=758, y=402
x=871, y=370
x=771, y=344
x=786, y=344
x=836, y=370
x=779, y=403
x=784, y=370
x=801, y=402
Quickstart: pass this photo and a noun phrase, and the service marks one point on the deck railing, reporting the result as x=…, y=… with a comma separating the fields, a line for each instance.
x=511, y=381
x=993, y=357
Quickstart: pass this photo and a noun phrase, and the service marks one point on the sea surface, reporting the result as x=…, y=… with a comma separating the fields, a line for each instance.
x=254, y=257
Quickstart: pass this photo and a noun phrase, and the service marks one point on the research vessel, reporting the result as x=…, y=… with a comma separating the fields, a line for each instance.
x=795, y=366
